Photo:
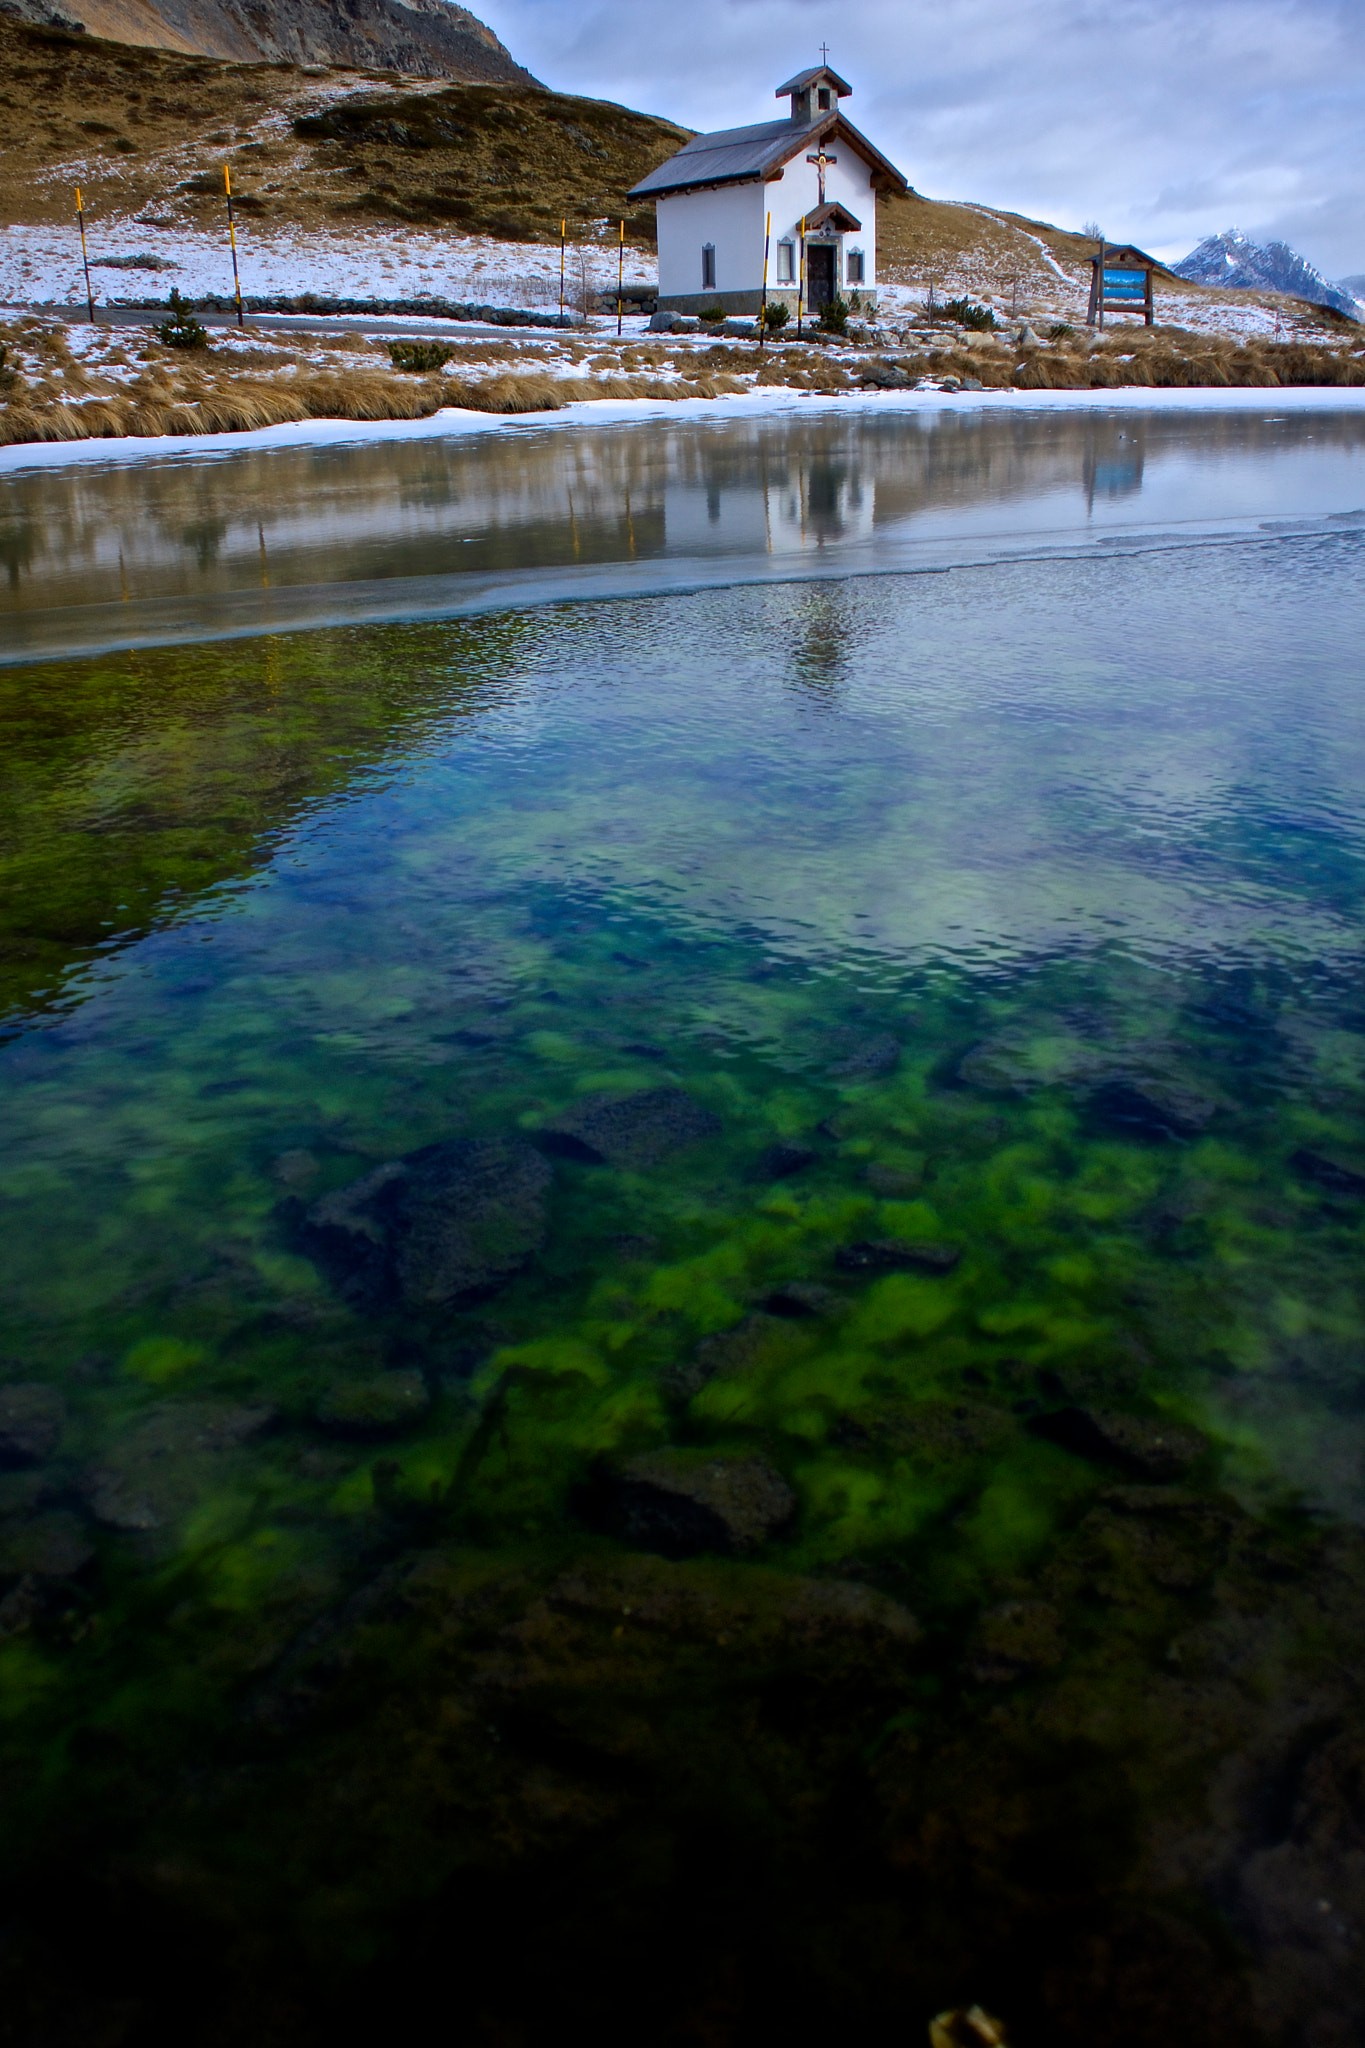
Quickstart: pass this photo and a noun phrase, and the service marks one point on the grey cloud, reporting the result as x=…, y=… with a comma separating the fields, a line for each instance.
x=1165, y=119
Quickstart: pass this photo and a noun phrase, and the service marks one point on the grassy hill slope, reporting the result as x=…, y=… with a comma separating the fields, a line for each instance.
x=148, y=131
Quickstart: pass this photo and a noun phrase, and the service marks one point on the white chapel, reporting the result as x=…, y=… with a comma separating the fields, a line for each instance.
x=813, y=174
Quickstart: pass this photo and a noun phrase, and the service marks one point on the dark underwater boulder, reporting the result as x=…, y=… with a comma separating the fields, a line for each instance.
x=383, y=1405
x=680, y=1503
x=1325, y=1173
x=781, y=1161
x=1150, y=1106
x=896, y=1255
x=31, y=1419
x=724, y=1354
x=445, y=1225
x=872, y=1060
x=1145, y=1449
x=168, y=1461
x=630, y=1131
x=51, y=1546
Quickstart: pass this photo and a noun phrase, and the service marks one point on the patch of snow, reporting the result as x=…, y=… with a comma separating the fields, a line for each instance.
x=42, y=265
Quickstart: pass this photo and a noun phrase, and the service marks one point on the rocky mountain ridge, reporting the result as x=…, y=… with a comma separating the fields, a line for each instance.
x=420, y=38
x=1233, y=259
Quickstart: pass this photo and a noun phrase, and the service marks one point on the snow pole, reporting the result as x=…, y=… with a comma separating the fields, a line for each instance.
x=562, y=226
x=801, y=277
x=763, y=301
x=85, y=260
x=232, y=237
x=620, y=277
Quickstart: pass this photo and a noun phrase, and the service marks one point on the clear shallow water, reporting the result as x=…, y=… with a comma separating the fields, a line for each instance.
x=1015, y=914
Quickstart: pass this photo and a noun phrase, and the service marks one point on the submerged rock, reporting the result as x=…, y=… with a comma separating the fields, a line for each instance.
x=1140, y=1089
x=1156, y=1451
x=724, y=1353
x=779, y=1162
x=891, y=1181
x=1150, y=1107
x=1327, y=1173
x=377, y=1407
x=168, y=1461
x=873, y=1060
x=798, y=1298
x=896, y=1255
x=450, y=1223
x=31, y=1419
x=680, y=1503
x=51, y=1546
x=1017, y=1637
x=630, y=1131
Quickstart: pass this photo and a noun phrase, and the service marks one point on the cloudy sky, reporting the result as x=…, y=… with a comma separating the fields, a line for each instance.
x=1163, y=120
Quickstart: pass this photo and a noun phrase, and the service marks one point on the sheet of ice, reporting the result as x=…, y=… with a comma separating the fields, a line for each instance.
x=770, y=399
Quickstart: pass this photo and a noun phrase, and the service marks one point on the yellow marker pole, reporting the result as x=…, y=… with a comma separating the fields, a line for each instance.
x=232, y=237
x=562, y=225
x=620, y=277
x=89, y=295
x=801, y=276
x=763, y=302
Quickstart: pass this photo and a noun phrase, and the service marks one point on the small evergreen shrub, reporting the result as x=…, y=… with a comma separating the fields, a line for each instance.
x=1060, y=330
x=420, y=356
x=712, y=313
x=776, y=314
x=834, y=316
x=966, y=314
x=182, y=330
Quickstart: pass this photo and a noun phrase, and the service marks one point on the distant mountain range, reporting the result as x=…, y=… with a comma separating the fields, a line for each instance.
x=422, y=38
x=1234, y=259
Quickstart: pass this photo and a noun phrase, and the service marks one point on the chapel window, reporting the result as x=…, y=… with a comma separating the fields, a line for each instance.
x=708, y=266
x=823, y=97
x=786, y=262
x=855, y=266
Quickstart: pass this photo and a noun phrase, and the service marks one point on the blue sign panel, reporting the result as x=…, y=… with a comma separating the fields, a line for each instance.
x=1125, y=284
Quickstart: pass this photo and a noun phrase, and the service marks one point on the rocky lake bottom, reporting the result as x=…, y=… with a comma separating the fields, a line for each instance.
x=682, y=1348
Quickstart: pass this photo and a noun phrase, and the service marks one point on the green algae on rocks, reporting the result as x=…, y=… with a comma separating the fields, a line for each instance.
x=702, y=1313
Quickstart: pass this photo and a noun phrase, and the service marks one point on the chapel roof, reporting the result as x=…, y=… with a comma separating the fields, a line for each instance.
x=741, y=156
x=805, y=78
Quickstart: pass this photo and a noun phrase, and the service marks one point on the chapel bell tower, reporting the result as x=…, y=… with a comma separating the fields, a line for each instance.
x=814, y=94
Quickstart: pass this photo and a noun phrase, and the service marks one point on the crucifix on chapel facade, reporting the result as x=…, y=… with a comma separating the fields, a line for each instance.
x=820, y=159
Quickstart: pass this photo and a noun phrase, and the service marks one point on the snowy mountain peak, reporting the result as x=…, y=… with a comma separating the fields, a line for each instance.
x=1233, y=259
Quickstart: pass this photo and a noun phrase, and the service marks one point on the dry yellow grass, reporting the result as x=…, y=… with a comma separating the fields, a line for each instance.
x=1154, y=358
x=231, y=407
x=61, y=398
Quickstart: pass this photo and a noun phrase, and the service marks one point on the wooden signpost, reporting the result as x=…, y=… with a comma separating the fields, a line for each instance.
x=1120, y=281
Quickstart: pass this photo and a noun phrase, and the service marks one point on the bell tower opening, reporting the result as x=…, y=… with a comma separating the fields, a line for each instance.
x=814, y=94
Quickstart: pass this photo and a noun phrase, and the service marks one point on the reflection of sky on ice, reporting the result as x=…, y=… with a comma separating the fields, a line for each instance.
x=250, y=536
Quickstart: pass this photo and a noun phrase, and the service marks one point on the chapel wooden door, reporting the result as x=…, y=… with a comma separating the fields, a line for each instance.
x=819, y=274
